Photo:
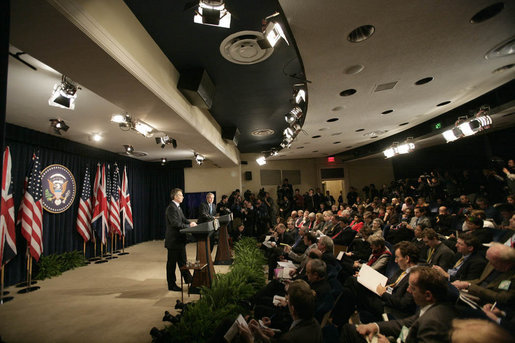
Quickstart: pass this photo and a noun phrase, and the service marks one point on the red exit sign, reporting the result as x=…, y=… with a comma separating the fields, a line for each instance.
x=330, y=159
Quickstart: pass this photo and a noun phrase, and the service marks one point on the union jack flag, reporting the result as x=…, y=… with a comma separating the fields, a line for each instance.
x=125, y=204
x=114, y=209
x=100, y=212
x=31, y=210
x=85, y=209
x=7, y=223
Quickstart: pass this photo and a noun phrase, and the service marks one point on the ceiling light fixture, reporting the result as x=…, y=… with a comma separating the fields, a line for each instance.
x=96, y=137
x=212, y=12
x=294, y=115
x=129, y=149
x=400, y=149
x=261, y=160
x=464, y=127
x=199, y=158
x=166, y=140
x=273, y=32
x=163, y=161
x=64, y=94
x=126, y=123
x=58, y=125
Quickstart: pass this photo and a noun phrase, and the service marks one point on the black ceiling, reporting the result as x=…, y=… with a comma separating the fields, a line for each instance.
x=249, y=97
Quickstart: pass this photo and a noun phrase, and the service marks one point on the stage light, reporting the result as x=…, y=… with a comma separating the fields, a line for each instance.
x=96, y=137
x=261, y=160
x=119, y=118
x=400, y=149
x=58, y=125
x=212, y=12
x=288, y=132
x=129, y=149
x=452, y=134
x=389, y=153
x=199, y=158
x=294, y=115
x=143, y=128
x=163, y=161
x=405, y=148
x=300, y=96
x=463, y=127
x=64, y=94
x=163, y=141
x=273, y=33
x=126, y=123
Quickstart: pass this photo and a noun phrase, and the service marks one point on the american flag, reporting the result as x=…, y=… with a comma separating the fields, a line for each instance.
x=31, y=210
x=85, y=209
x=107, y=180
x=100, y=213
x=125, y=204
x=7, y=224
x=114, y=209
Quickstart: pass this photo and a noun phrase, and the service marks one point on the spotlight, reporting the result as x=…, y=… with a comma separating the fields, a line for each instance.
x=389, y=153
x=199, y=158
x=163, y=161
x=396, y=148
x=288, y=133
x=64, y=94
x=119, y=118
x=143, y=128
x=212, y=12
x=58, y=125
x=452, y=134
x=261, y=160
x=166, y=140
x=129, y=149
x=273, y=33
x=463, y=127
x=126, y=123
x=293, y=115
x=96, y=137
x=300, y=96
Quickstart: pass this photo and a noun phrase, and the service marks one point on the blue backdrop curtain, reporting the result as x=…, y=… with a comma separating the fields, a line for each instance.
x=149, y=186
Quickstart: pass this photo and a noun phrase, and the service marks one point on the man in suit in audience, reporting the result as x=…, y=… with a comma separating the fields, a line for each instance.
x=175, y=241
x=437, y=253
x=419, y=218
x=431, y=323
x=497, y=282
x=207, y=209
x=304, y=329
x=469, y=262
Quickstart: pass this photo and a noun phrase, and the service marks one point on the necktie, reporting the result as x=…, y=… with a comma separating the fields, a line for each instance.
x=210, y=209
x=430, y=255
x=459, y=262
x=398, y=280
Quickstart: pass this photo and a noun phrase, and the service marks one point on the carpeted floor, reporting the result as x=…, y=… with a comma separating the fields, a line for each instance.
x=119, y=301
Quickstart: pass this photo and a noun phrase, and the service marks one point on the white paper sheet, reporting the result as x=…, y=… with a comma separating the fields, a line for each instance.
x=370, y=278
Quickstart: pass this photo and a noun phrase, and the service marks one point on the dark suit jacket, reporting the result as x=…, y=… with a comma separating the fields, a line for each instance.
x=400, y=303
x=307, y=331
x=203, y=212
x=471, y=269
x=491, y=291
x=345, y=237
x=175, y=221
x=443, y=257
x=432, y=327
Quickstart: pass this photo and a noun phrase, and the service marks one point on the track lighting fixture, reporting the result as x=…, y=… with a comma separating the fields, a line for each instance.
x=400, y=149
x=468, y=127
x=294, y=115
x=58, y=125
x=64, y=94
x=126, y=123
x=212, y=12
x=163, y=141
x=199, y=158
x=273, y=32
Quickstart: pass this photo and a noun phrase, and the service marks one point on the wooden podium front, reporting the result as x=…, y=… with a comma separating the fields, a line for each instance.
x=204, y=276
x=223, y=252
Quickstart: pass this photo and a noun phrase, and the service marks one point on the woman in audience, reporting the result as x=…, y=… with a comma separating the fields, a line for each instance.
x=379, y=257
x=357, y=224
x=319, y=222
x=408, y=203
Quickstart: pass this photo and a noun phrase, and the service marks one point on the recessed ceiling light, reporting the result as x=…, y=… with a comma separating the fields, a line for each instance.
x=336, y=134
x=444, y=103
x=336, y=142
x=348, y=147
x=315, y=150
x=348, y=92
x=96, y=137
x=503, y=68
x=332, y=120
x=337, y=108
x=317, y=136
x=424, y=81
x=361, y=33
x=375, y=133
x=387, y=111
x=323, y=129
x=359, y=130
x=505, y=48
x=373, y=137
x=402, y=124
x=487, y=13
x=355, y=69
x=262, y=132
x=300, y=147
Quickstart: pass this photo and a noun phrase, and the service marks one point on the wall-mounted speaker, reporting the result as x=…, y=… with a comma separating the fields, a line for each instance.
x=248, y=175
x=197, y=87
x=231, y=134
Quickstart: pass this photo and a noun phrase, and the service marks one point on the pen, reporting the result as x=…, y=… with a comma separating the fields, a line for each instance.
x=493, y=306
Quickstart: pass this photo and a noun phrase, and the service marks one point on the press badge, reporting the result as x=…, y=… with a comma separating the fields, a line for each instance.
x=403, y=335
x=505, y=285
x=389, y=290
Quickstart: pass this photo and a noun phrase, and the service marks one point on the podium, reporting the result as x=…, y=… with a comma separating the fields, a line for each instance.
x=223, y=253
x=204, y=276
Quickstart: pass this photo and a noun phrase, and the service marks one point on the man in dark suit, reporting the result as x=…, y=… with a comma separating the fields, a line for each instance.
x=437, y=253
x=207, y=209
x=304, y=329
x=175, y=241
x=430, y=324
x=469, y=262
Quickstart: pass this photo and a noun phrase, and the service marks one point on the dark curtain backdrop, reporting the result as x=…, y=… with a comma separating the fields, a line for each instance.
x=149, y=187
x=474, y=153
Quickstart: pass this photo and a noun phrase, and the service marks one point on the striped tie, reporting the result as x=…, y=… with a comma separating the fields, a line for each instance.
x=398, y=280
x=459, y=262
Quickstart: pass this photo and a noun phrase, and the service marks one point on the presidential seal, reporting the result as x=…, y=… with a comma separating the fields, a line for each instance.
x=59, y=188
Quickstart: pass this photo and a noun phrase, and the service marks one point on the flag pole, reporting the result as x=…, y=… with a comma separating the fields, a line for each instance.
x=26, y=282
x=2, y=298
x=84, y=252
x=94, y=258
x=102, y=259
x=123, y=247
x=111, y=256
x=29, y=288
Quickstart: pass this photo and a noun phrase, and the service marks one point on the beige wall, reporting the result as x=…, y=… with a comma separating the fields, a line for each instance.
x=364, y=172
x=209, y=178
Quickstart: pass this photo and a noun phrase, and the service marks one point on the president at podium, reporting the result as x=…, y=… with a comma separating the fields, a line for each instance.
x=175, y=241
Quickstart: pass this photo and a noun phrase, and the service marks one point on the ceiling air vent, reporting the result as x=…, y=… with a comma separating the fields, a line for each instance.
x=242, y=48
x=385, y=86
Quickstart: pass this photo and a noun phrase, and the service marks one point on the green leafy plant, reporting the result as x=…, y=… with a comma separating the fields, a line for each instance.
x=54, y=265
x=226, y=296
